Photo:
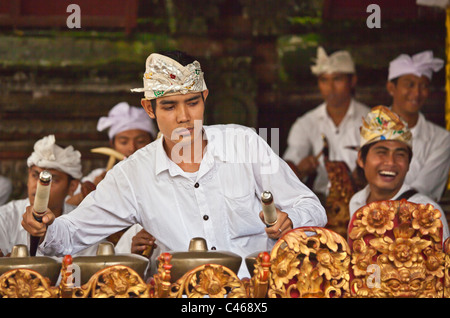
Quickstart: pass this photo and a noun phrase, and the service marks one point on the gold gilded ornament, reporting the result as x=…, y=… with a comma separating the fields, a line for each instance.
x=396, y=250
x=215, y=281
x=309, y=266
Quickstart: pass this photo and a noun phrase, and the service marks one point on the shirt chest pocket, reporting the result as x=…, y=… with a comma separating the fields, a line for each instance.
x=242, y=205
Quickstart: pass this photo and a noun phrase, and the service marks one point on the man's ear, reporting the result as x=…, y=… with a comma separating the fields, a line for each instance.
x=390, y=86
x=205, y=94
x=359, y=160
x=147, y=105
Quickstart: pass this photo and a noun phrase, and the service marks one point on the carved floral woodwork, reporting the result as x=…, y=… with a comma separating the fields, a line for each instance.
x=215, y=281
x=340, y=192
x=396, y=250
x=116, y=281
x=447, y=268
x=309, y=266
x=341, y=189
x=26, y=283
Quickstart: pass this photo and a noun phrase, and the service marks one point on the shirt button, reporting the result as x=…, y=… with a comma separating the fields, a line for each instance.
x=196, y=185
x=205, y=217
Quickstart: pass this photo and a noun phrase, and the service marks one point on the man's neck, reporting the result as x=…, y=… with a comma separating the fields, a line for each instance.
x=187, y=157
x=337, y=111
x=380, y=195
x=410, y=118
x=58, y=211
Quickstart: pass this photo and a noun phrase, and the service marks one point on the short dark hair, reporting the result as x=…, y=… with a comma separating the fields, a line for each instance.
x=181, y=57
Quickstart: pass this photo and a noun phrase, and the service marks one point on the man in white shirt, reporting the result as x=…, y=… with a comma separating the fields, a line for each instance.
x=194, y=181
x=65, y=166
x=408, y=83
x=5, y=189
x=385, y=156
x=338, y=119
x=129, y=129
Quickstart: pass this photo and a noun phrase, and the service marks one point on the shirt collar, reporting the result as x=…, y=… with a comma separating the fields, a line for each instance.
x=161, y=159
x=418, y=127
x=366, y=192
x=350, y=111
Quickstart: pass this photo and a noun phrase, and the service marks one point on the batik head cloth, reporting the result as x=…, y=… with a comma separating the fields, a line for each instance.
x=48, y=155
x=165, y=76
x=382, y=124
x=124, y=117
x=420, y=64
x=338, y=62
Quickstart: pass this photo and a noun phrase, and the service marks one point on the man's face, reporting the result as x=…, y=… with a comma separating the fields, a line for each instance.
x=409, y=94
x=175, y=116
x=336, y=88
x=128, y=141
x=62, y=185
x=386, y=165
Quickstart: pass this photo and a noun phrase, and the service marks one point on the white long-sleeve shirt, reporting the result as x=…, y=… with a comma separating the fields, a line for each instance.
x=5, y=189
x=430, y=164
x=11, y=231
x=221, y=205
x=305, y=139
x=359, y=199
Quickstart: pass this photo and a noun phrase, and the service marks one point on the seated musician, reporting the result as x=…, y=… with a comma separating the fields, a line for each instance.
x=194, y=181
x=65, y=166
x=129, y=129
x=385, y=155
x=408, y=83
x=337, y=118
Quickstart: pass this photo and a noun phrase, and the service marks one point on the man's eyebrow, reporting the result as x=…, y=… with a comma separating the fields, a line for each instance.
x=171, y=102
x=167, y=102
x=193, y=98
x=380, y=147
x=386, y=148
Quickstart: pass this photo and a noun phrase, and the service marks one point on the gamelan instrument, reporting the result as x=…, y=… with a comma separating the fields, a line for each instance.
x=198, y=254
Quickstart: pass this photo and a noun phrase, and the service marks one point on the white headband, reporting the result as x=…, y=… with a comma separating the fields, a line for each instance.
x=338, y=62
x=419, y=64
x=51, y=156
x=165, y=76
x=125, y=117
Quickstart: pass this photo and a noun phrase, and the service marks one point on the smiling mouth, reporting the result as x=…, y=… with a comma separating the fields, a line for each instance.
x=387, y=173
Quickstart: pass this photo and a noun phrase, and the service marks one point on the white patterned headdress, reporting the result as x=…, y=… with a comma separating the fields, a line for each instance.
x=165, y=76
x=420, y=64
x=48, y=155
x=338, y=62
